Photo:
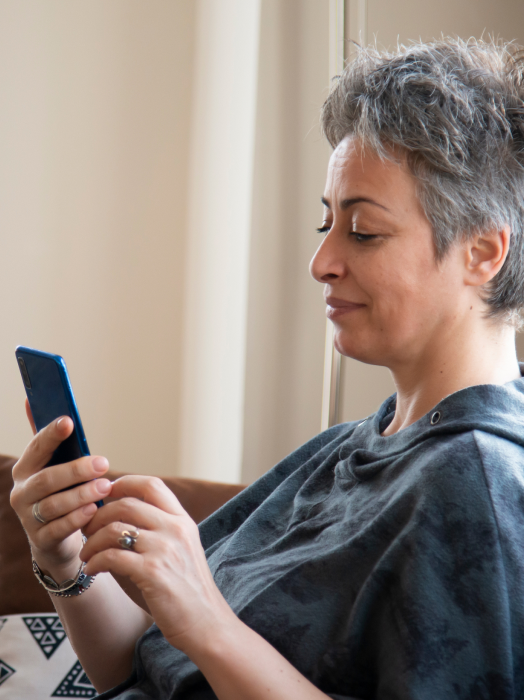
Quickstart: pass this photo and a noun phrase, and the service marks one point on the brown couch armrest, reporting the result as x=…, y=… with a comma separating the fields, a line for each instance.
x=20, y=592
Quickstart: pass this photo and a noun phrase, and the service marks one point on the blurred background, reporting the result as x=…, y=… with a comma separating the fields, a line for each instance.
x=160, y=178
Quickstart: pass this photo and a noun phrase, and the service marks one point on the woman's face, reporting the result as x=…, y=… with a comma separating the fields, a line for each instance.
x=388, y=298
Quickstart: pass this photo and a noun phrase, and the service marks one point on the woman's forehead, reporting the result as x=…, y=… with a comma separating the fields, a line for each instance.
x=358, y=173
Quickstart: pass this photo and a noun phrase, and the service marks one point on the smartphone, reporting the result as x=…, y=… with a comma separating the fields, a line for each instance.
x=50, y=396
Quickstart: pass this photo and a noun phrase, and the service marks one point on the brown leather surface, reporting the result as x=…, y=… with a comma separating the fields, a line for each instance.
x=20, y=592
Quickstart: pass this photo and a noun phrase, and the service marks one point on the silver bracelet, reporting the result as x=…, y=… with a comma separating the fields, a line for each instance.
x=68, y=588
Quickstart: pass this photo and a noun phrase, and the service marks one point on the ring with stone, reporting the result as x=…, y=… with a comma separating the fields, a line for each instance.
x=37, y=515
x=128, y=539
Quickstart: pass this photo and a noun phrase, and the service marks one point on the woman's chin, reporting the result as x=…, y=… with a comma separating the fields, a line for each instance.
x=362, y=351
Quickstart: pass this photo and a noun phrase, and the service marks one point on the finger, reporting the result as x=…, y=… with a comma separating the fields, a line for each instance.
x=150, y=489
x=48, y=482
x=54, y=479
x=129, y=510
x=39, y=451
x=51, y=534
x=116, y=561
x=109, y=538
x=30, y=416
x=59, y=504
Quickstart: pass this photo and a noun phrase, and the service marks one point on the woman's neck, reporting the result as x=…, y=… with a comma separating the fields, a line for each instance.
x=478, y=353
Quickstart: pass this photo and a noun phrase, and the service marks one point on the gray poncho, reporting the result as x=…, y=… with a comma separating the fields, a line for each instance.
x=380, y=567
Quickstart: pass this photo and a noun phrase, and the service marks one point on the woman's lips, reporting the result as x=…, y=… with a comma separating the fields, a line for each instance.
x=338, y=307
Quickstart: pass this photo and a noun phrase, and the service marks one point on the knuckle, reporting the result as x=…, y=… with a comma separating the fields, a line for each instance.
x=84, y=493
x=112, y=555
x=78, y=470
x=127, y=507
x=49, y=510
x=54, y=507
x=45, y=482
x=185, y=536
x=36, y=449
x=177, y=528
x=116, y=528
x=153, y=485
x=152, y=569
x=67, y=524
x=183, y=527
x=40, y=480
x=14, y=497
x=156, y=482
x=77, y=497
x=88, y=493
x=16, y=469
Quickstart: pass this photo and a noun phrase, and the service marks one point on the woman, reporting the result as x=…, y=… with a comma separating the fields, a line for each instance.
x=384, y=558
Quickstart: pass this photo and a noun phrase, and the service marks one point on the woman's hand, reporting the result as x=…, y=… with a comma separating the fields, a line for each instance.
x=167, y=562
x=56, y=543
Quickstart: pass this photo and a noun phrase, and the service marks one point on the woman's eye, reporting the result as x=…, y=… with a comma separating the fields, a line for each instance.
x=363, y=237
x=323, y=229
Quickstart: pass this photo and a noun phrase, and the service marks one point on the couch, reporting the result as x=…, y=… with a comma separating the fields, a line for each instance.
x=36, y=660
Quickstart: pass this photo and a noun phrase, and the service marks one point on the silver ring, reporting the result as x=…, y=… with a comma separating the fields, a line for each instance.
x=128, y=539
x=37, y=515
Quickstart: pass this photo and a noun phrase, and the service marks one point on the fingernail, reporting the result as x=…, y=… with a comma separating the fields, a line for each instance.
x=100, y=464
x=103, y=485
x=89, y=509
x=60, y=421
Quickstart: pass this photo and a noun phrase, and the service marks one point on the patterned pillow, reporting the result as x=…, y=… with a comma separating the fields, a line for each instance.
x=37, y=661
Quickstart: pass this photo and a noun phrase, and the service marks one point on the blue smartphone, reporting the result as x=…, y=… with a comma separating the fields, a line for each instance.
x=50, y=396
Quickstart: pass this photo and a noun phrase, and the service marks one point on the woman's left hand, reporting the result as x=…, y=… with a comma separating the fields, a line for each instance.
x=167, y=562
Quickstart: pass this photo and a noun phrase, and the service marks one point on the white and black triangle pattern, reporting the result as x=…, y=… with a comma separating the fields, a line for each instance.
x=3, y=620
x=47, y=631
x=5, y=671
x=75, y=685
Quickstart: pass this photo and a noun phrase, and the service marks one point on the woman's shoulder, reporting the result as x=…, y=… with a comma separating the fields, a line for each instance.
x=482, y=454
x=472, y=480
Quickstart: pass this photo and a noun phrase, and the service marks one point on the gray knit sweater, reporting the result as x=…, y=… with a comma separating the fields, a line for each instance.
x=380, y=567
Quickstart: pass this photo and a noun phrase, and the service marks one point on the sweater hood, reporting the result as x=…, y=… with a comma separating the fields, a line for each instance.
x=490, y=408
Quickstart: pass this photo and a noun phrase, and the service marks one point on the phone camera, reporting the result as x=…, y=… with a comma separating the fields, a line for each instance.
x=24, y=372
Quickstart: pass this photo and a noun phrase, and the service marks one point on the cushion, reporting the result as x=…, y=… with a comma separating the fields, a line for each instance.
x=37, y=661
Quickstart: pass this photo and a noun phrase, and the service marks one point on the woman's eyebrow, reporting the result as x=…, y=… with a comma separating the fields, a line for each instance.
x=346, y=203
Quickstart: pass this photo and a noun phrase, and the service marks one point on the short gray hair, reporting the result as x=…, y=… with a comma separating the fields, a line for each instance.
x=455, y=109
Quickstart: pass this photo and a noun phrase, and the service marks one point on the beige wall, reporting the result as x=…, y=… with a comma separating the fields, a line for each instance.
x=218, y=222
x=255, y=320
x=94, y=116
x=286, y=313
x=364, y=387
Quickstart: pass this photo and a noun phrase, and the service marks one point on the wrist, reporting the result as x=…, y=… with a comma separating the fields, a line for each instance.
x=56, y=566
x=58, y=572
x=70, y=587
x=213, y=640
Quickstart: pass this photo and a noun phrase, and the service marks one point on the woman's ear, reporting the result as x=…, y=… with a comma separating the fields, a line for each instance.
x=485, y=254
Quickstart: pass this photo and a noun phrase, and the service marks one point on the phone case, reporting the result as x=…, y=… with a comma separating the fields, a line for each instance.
x=50, y=396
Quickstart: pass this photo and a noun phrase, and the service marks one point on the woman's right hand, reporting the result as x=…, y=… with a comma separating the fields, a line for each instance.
x=56, y=544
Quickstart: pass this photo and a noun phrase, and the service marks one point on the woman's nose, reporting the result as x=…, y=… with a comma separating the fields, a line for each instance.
x=327, y=264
